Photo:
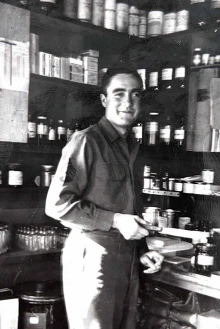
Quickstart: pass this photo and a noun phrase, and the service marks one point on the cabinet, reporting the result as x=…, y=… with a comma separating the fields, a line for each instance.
x=59, y=98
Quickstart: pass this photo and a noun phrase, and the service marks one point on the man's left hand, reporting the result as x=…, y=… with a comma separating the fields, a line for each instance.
x=153, y=260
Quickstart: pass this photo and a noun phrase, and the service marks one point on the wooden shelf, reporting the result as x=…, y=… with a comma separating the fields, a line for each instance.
x=33, y=147
x=189, y=281
x=160, y=192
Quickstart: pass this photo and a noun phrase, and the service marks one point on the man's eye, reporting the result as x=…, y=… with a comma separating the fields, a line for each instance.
x=119, y=95
x=137, y=94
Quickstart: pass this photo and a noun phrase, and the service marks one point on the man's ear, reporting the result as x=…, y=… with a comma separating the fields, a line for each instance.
x=103, y=99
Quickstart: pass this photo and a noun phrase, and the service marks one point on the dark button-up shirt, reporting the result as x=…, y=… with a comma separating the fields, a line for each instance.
x=94, y=179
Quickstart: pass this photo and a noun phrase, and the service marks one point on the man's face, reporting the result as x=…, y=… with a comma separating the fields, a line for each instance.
x=122, y=100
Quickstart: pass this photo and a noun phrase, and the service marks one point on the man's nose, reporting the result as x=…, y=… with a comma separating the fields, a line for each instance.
x=128, y=99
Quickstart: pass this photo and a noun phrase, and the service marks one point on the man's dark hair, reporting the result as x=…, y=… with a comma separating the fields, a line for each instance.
x=115, y=71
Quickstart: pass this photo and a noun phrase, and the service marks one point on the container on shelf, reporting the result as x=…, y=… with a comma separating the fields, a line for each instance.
x=84, y=12
x=15, y=174
x=208, y=176
x=122, y=16
x=169, y=23
x=42, y=128
x=133, y=21
x=142, y=33
x=98, y=12
x=205, y=254
x=45, y=175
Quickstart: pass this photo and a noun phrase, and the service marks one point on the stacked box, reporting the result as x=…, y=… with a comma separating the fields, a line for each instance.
x=55, y=67
x=34, y=53
x=76, y=69
x=65, y=68
x=45, y=66
x=20, y=66
x=5, y=64
x=90, y=66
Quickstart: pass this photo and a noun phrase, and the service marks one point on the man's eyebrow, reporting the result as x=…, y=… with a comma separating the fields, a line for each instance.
x=123, y=89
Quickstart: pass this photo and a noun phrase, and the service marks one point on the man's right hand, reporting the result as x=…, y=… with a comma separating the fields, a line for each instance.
x=128, y=226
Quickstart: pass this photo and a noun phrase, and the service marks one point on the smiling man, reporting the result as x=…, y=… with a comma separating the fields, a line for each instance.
x=93, y=193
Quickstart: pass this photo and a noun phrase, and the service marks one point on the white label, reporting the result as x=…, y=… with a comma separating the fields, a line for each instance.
x=208, y=176
x=165, y=133
x=33, y=320
x=84, y=10
x=179, y=134
x=32, y=130
x=110, y=4
x=180, y=72
x=133, y=30
x=196, y=1
x=109, y=20
x=52, y=134
x=182, y=20
x=15, y=177
x=50, y=1
x=138, y=131
x=153, y=79
x=167, y=74
x=42, y=129
x=169, y=25
x=205, y=59
x=205, y=260
x=98, y=12
x=215, y=3
x=155, y=20
x=61, y=130
x=122, y=17
x=178, y=186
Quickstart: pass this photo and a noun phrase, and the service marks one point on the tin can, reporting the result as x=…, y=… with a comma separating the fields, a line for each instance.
x=188, y=187
x=142, y=24
x=84, y=10
x=182, y=20
x=98, y=12
x=15, y=174
x=122, y=17
x=162, y=221
x=155, y=22
x=169, y=23
x=208, y=176
x=151, y=215
x=178, y=185
x=110, y=4
x=109, y=19
x=147, y=182
x=170, y=217
x=171, y=184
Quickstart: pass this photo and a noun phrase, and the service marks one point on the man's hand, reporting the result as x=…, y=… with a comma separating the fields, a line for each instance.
x=129, y=227
x=153, y=260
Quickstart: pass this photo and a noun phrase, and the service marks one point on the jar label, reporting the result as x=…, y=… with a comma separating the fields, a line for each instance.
x=180, y=72
x=85, y=10
x=167, y=74
x=35, y=320
x=165, y=133
x=169, y=23
x=205, y=260
x=61, y=130
x=138, y=131
x=109, y=20
x=98, y=12
x=215, y=3
x=122, y=17
x=42, y=129
x=155, y=21
x=179, y=134
x=196, y=1
x=182, y=20
x=32, y=129
x=52, y=135
x=110, y=4
x=15, y=177
x=153, y=79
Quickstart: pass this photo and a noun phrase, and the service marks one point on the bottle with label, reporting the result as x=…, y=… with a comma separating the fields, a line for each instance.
x=122, y=15
x=155, y=18
x=133, y=19
x=61, y=131
x=182, y=15
x=215, y=11
x=98, y=12
x=205, y=255
x=51, y=131
x=179, y=77
x=143, y=13
x=110, y=14
x=197, y=57
x=84, y=12
x=165, y=136
x=32, y=128
x=42, y=128
x=138, y=132
x=167, y=77
x=169, y=18
x=15, y=174
x=70, y=8
x=151, y=133
x=179, y=139
x=46, y=6
x=200, y=13
x=153, y=81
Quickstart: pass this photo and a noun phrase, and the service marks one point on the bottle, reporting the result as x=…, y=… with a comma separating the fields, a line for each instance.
x=15, y=174
x=122, y=15
x=200, y=13
x=155, y=19
x=70, y=8
x=179, y=77
x=178, y=140
x=153, y=81
x=205, y=56
x=98, y=12
x=133, y=19
x=165, y=136
x=215, y=11
x=42, y=128
x=51, y=131
x=167, y=77
x=205, y=255
x=197, y=57
x=69, y=131
x=46, y=6
x=169, y=19
x=151, y=133
x=138, y=132
x=32, y=128
x=182, y=15
x=84, y=12
x=61, y=131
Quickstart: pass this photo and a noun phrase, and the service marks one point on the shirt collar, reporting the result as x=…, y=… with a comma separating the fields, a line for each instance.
x=108, y=128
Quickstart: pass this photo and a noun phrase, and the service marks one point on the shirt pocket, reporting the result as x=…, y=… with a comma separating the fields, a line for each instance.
x=117, y=172
x=110, y=172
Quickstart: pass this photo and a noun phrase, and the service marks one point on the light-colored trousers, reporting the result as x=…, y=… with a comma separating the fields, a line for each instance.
x=100, y=280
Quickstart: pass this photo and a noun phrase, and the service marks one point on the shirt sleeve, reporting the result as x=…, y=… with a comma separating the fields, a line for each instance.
x=65, y=200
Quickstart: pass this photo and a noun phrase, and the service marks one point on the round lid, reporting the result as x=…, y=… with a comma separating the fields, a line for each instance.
x=47, y=167
x=45, y=291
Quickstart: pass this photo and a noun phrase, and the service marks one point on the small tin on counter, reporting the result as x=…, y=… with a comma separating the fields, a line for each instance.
x=182, y=222
x=170, y=216
x=178, y=185
x=162, y=221
x=151, y=215
x=188, y=187
x=208, y=176
x=171, y=182
x=199, y=188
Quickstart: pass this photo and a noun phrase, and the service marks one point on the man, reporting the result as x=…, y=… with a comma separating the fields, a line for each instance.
x=93, y=193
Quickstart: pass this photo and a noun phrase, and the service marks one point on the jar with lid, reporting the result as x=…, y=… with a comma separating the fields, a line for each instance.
x=205, y=56
x=180, y=77
x=197, y=56
x=165, y=134
x=42, y=128
x=167, y=76
x=15, y=174
x=61, y=131
x=169, y=19
x=182, y=15
x=179, y=138
x=138, y=132
x=153, y=81
x=51, y=131
x=122, y=15
x=45, y=175
x=205, y=255
x=32, y=128
x=98, y=12
x=155, y=19
x=84, y=12
x=110, y=14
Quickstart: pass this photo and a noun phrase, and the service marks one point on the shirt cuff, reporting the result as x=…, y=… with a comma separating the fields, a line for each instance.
x=104, y=220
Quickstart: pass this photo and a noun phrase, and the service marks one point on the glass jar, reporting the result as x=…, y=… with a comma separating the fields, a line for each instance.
x=45, y=176
x=205, y=258
x=197, y=57
x=150, y=133
x=61, y=131
x=51, y=131
x=15, y=174
x=42, y=128
x=32, y=128
x=155, y=22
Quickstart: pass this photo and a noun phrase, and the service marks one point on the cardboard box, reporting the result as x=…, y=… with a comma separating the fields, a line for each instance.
x=76, y=77
x=45, y=66
x=90, y=63
x=34, y=53
x=76, y=65
x=91, y=77
x=5, y=63
x=64, y=68
x=55, y=67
